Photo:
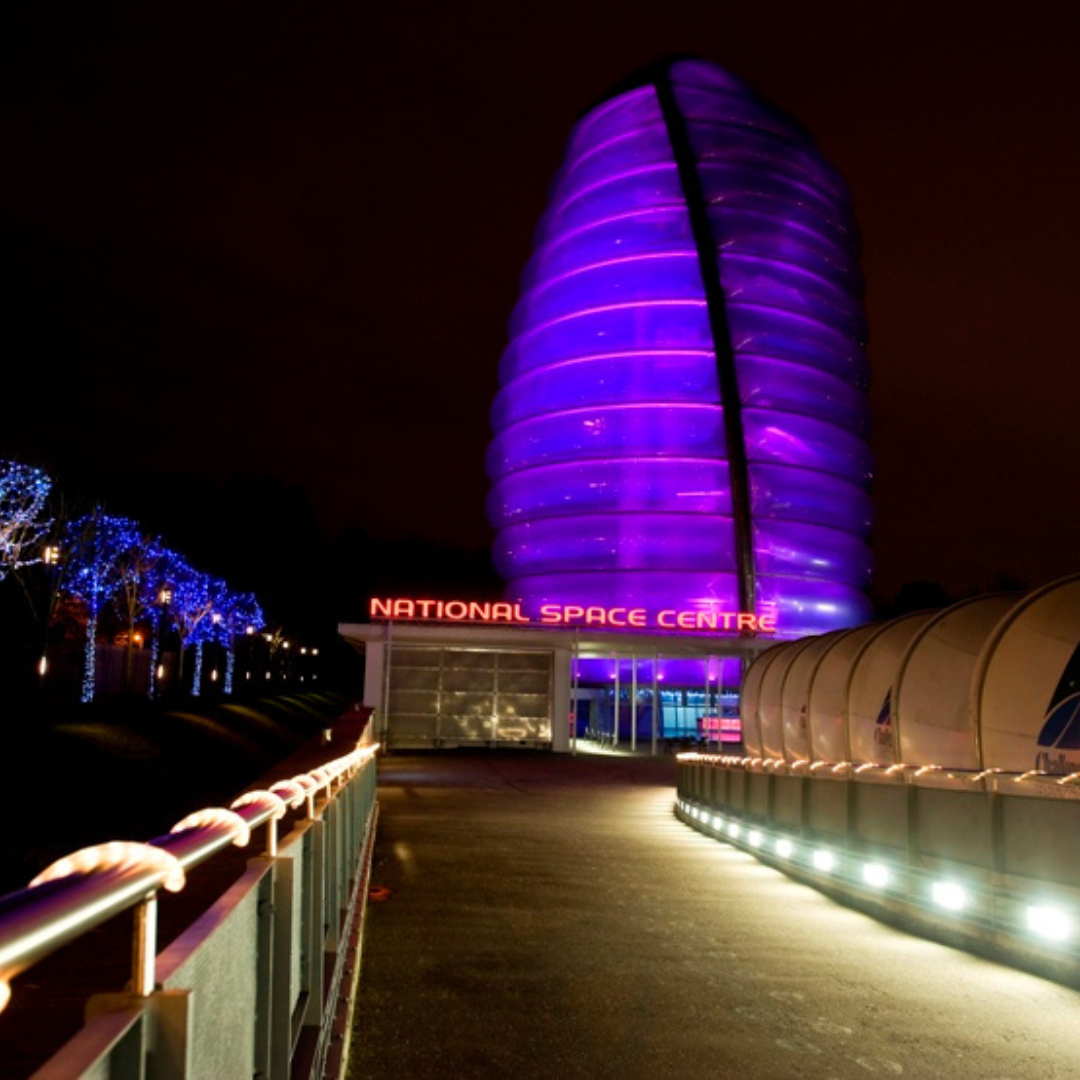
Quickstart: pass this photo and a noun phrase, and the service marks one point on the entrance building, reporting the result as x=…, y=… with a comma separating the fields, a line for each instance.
x=458, y=686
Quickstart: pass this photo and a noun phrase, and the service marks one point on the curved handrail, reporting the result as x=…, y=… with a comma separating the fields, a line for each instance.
x=84, y=889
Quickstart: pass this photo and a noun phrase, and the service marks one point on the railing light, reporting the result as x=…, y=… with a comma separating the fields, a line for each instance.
x=1050, y=922
x=949, y=895
x=785, y=848
x=1028, y=775
x=754, y=838
x=734, y=829
x=876, y=875
x=824, y=860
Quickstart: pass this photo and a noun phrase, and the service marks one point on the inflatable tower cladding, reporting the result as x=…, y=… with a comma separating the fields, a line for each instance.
x=682, y=417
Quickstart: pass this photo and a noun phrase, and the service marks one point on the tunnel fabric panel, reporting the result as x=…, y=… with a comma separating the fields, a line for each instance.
x=613, y=476
x=990, y=684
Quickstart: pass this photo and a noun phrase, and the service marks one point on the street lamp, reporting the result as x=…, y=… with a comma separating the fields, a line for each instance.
x=50, y=556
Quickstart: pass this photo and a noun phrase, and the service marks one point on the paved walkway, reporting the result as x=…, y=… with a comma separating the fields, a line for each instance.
x=548, y=917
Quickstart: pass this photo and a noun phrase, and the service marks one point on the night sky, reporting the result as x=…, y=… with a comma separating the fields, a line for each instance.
x=259, y=259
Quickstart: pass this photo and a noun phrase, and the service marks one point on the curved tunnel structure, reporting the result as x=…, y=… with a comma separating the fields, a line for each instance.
x=681, y=420
x=991, y=683
x=925, y=767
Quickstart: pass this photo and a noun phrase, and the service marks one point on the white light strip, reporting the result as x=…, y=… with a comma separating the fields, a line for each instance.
x=1050, y=922
x=949, y=895
x=876, y=875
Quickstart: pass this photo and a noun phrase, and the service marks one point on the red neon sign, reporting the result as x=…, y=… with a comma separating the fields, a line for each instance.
x=448, y=611
x=570, y=615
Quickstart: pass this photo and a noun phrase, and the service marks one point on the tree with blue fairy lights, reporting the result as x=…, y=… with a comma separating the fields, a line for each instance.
x=137, y=591
x=190, y=604
x=23, y=493
x=96, y=545
x=218, y=595
x=235, y=614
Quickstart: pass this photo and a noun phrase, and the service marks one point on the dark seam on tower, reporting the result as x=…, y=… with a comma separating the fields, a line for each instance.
x=709, y=264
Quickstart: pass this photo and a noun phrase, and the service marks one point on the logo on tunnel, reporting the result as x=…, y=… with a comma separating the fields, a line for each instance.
x=883, y=728
x=1061, y=724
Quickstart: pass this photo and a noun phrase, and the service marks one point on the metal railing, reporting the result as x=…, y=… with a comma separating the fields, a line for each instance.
x=982, y=859
x=300, y=905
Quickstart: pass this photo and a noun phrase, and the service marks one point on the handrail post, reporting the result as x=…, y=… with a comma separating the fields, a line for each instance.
x=144, y=947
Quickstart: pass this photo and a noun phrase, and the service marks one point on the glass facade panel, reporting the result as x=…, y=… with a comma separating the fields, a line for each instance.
x=447, y=697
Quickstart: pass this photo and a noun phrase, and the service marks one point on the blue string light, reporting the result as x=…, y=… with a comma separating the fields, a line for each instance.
x=96, y=544
x=23, y=494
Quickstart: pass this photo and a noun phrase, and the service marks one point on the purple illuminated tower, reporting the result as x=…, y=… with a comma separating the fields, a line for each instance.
x=682, y=415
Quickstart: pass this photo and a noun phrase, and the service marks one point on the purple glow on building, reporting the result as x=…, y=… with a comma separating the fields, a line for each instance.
x=713, y=673
x=629, y=464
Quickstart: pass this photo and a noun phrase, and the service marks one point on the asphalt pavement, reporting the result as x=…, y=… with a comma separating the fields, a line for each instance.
x=538, y=915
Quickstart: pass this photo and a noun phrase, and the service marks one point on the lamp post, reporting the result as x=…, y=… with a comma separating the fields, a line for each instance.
x=249, y=633
x=50, y=556
x=157, y=643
